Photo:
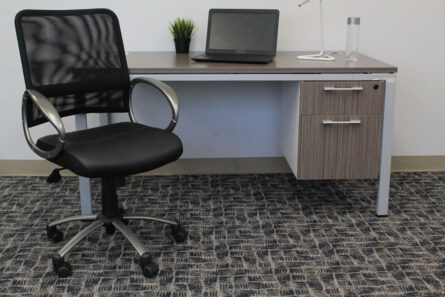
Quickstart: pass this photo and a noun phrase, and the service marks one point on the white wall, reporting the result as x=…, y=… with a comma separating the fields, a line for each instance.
x=405, y=33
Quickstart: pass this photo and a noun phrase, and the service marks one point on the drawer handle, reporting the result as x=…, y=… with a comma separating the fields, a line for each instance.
x=353, y=122
x=343, y=89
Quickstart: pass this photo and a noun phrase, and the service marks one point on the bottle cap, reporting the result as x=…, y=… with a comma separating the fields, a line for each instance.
x=353, y=21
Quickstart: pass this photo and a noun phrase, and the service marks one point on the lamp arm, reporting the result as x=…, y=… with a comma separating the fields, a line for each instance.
x=321, y=28
x=320, y=56
x=304, y=2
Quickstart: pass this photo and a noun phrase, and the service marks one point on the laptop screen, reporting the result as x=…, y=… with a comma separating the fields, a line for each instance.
x=242, y=31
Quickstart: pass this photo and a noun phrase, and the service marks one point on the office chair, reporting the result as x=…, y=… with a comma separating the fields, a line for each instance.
x=74, y=63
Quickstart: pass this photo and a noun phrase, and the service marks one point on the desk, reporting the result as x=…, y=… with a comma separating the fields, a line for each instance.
x=344, y=87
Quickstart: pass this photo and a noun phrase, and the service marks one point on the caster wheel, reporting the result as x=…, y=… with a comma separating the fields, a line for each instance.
x=149, y=268
x=61, y=268
x=54, y=234
x=110, y=229
x=179, y=232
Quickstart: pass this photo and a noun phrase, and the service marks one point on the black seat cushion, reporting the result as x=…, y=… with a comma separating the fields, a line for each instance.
x=116, y=149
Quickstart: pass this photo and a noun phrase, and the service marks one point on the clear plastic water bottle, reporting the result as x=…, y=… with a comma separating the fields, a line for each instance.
x=352, y=39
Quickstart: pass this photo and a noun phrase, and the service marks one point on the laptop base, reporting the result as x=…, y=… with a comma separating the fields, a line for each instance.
x=227, y=58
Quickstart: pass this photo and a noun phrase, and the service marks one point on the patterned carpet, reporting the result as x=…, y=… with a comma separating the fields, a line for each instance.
x=250, y=235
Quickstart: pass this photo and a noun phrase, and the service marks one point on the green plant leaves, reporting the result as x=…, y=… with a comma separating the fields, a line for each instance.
x=182, y=28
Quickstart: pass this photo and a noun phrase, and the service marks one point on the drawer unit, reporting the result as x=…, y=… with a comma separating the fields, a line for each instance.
x=340, y=130
x=342, y=98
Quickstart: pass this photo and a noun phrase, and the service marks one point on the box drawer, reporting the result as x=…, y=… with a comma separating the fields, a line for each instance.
x=344, y=97
x=339, y=147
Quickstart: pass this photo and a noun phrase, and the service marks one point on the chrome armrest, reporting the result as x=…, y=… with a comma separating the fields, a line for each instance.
x=51, y=114
x=168, y=93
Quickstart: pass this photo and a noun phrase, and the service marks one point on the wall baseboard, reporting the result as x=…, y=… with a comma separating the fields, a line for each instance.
x=417, y=163
x=220, y=166
x=182, y=166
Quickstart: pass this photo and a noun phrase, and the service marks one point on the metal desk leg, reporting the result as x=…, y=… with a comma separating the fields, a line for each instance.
x=385, y=161
x=84, y=183
x=85, y=196
x=104, y=119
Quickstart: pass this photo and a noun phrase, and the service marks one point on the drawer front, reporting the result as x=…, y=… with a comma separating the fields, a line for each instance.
x=339, y=98
x=339, y=147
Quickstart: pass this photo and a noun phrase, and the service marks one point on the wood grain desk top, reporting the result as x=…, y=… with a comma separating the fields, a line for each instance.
x=284, y=63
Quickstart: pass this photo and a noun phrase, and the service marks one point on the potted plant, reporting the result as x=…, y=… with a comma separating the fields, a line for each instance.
x=182, y=30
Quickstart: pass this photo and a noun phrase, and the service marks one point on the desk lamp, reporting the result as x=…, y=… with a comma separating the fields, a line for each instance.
x=320, y=56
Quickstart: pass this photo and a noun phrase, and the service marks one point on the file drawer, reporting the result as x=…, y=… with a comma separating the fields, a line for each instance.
x=342, y=98
x=339, y=147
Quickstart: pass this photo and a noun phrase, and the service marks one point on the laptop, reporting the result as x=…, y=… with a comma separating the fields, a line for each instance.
x=241, y=36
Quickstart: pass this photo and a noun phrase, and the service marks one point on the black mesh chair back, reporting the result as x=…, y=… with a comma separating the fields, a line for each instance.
x=76, y=58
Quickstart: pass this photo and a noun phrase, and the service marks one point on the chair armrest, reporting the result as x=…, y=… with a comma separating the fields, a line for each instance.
x=168, y=93
x=51, y=114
